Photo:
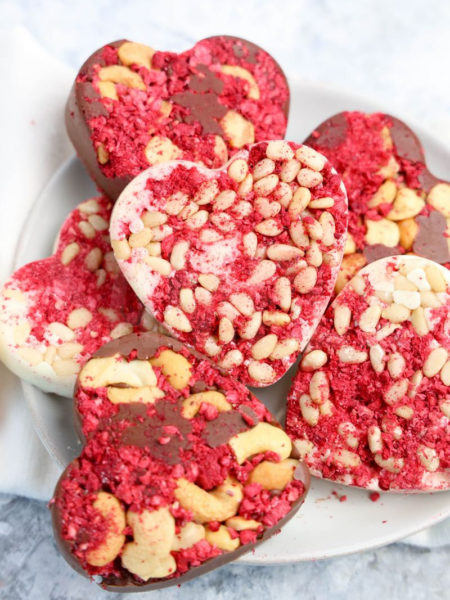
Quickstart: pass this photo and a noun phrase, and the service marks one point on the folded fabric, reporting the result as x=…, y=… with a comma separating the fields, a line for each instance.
x=34, y=146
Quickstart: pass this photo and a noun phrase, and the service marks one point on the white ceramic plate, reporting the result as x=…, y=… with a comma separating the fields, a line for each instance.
x=325, y=526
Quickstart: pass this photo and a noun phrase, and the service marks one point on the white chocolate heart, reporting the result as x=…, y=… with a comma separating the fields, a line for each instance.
x=222, y=255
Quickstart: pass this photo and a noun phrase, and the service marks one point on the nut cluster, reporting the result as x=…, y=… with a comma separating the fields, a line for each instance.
x=275, y=218
x=152, y=540
x=388, y=331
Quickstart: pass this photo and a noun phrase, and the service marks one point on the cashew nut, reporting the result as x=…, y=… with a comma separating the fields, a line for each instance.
x=111, y=510
x=262, y=438
x=99, y=372
x=274, y=476
x=189, y=535
x=121, y=74
x=439, y=198
x=350, y=265
x=149, y=554
x=175, y=367
x=161, y=149
x=217, y=505
x=144, y=395
x=240, y=524
x=407, y=204
x=222, y=539
x=237, y=130
x=192, y=404
x=237, y=71
x=132, y=53
x=107, y=89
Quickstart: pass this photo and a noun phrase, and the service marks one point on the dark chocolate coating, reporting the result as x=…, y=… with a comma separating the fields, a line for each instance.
x=130, y=585
x=430, y=241
x=147, y=433
x=146, y=345
x=407, y=145
x=77, y=114
x=79, y=111
x=377, y=251
x=226, y=425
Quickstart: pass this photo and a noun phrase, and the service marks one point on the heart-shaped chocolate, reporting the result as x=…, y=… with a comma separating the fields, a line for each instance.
x=396, y=205
x=370, y=405
x=55, y=312
x=183, y=469
x=132, y=106
x=238, y=262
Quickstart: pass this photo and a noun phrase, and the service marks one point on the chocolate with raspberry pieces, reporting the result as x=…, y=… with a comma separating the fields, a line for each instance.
x=183, y=469
x=132, y=106
x=55, y=312
x=238, y=262
x=396, y=205
x=370, y=405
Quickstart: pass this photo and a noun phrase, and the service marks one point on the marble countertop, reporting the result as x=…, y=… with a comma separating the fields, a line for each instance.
x=395, y=53
x=32, y=569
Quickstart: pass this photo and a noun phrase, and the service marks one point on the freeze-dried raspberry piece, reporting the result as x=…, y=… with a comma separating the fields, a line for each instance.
x=239, y=262
x=370, y=405
x=396, y=205
x=55, y=312
x=183, y=469
x=132, y=106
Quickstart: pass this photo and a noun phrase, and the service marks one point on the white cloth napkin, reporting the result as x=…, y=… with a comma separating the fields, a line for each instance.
x=34, y=144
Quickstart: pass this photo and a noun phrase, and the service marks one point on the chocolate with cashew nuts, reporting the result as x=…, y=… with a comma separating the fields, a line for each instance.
x=396, y=205
x=370, y=406
x=158, y=495
x=132, y=106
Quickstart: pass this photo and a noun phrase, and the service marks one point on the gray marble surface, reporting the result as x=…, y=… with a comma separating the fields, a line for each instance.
x=32, y=569
x=395, y=52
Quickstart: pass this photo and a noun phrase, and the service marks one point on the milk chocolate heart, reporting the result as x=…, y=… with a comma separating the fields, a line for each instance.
x=238, y=262
x=132, y=106
x=395, y=204
x=370, y=405
x=55, y=312
x=183, y=469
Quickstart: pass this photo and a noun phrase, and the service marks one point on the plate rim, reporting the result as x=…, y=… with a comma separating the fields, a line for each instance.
x=250, y=559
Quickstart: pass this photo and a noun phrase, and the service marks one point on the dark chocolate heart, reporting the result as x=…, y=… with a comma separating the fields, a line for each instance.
x=131, y=107
x=171, y=482
x=396, y=204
